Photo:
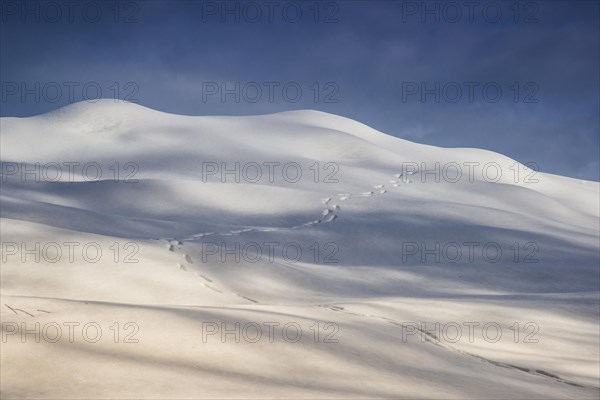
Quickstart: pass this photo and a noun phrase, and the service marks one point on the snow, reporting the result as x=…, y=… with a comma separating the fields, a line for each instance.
x=369, y=203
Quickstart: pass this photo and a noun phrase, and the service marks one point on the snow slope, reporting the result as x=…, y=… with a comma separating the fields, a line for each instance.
x=365, y=213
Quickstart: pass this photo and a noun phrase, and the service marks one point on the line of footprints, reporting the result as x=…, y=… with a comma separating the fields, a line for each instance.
x=328, y=215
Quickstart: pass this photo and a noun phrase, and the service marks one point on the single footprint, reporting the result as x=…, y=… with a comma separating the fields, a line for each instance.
x=383, y=191
x=330, y=218
x=316, y=221
x=201, y=235
x=325, y=201
x=267, y=229
x=332, y=308
x=240, y=231
x=188, y=259
x=248, y=298
x=378, y=186
x=211, y=288
x=182, y=267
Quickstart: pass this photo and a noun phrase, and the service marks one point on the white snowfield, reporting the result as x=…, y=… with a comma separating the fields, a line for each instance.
x=324, y=285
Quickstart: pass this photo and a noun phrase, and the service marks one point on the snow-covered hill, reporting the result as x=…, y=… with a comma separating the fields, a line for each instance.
x=297, y=218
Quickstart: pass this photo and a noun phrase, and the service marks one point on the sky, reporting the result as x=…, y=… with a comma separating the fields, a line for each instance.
x=519, y=78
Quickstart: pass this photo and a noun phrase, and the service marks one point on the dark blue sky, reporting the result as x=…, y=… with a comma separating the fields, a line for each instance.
x=519, y=78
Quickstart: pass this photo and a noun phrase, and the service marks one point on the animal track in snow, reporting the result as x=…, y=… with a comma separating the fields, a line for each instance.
x=14, y=310
x=189, y=260
x=247, y=298
x=316, y=221
x=328, y=213
x=211, y=288
x=433, y=339
x=330, y=218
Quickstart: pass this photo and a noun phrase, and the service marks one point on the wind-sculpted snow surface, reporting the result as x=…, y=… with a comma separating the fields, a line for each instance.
x=293, y=255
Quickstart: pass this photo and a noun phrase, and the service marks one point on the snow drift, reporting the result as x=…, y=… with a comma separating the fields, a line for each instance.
x=295, y=218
